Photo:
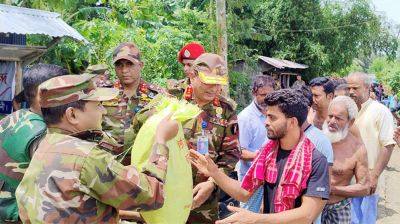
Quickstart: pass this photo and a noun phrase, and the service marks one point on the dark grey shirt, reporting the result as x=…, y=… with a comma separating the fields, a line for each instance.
x=317, y=184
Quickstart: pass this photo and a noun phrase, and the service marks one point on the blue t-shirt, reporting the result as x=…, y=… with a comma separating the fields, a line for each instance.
x=252, y=133
x=320, y=141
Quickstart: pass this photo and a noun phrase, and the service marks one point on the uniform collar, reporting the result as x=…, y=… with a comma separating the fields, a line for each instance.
x=205, y=107
x=89, y=135
x=138, y=92
x=54, y=130
x=208, y=106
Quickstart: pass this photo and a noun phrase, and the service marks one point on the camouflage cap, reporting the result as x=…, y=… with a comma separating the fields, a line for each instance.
x=66, y=89
x=211, y=69
x=97, y=69
x=127, y=51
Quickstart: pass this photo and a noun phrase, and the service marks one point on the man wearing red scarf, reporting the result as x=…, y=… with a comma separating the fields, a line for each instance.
x=294, y=174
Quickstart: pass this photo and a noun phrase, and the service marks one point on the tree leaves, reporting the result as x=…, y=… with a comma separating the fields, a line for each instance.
x=326, y=35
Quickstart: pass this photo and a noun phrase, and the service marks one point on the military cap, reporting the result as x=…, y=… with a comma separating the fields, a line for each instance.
x=97, y=69
x=128, y=51
x=190, y=51
x=66, y=89
x=211, y=69
x=101, y=79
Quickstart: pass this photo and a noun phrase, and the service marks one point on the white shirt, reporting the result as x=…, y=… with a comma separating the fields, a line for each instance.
x=252, y=133
x=376, y=126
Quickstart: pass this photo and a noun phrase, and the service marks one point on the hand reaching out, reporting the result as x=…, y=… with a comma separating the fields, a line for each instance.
x=203, y=163
x=239, y=216
x=166, y=129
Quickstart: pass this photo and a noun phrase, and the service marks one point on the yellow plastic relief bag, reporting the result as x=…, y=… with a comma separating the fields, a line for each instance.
x=178, y=184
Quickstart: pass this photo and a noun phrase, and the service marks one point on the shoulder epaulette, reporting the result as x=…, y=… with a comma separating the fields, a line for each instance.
x=113, y=148
x=155, y=88
x=228, y=101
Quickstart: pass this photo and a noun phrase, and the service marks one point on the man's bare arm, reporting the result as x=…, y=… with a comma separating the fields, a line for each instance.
x=207, y=166
x=396, y=117
x=362, y=187
x=383, y=160
x=396, y=135
x=230, y=186
x=310, y=208
x=247, y=155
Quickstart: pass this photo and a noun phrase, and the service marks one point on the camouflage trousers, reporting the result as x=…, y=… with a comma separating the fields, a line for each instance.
x=207, y=213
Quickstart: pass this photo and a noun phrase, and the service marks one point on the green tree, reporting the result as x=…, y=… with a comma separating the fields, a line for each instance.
x=328, y=35
x=387, y=72
x=160, y=29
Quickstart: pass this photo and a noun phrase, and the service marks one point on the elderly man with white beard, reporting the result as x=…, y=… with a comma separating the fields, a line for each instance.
x=350, y=159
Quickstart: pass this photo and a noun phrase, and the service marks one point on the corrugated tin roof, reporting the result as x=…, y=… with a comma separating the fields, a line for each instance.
x=281, y=63
x=31, y=21
x=19, y=52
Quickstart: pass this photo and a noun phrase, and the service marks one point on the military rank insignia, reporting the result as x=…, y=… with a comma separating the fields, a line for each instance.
x=219, y=121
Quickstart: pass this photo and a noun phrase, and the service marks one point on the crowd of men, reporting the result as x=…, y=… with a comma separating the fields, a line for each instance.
x=306, y=154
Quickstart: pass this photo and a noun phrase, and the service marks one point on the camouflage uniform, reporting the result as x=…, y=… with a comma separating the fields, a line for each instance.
x=74, y=178
x=20, y=133
x=223, y=147
x=177, y=87
x=122, y=109
x=102, y=75
x=222, y=132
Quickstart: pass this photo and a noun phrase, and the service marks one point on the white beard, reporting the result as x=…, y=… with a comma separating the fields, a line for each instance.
x=335, y=136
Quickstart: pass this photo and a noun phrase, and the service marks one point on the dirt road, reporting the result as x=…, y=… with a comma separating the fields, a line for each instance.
x=389, y=205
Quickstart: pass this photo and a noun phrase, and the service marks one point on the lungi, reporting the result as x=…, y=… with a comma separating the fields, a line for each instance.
x=338, y=213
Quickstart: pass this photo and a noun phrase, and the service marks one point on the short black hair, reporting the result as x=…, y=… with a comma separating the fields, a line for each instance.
x=53, y=115
x=343, y=86
x=36, y=75
x=338, y=82
x=291, y=102
x=326, y=83
x=261, y=81
x=306, y=92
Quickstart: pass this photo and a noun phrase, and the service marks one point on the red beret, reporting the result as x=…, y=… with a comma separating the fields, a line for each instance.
x=190, y=51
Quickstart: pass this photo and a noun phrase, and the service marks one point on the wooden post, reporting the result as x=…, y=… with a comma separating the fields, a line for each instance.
x=18, y=77
x=222, y=37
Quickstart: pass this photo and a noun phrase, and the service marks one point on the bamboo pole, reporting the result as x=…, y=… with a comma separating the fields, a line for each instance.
x=222, y=37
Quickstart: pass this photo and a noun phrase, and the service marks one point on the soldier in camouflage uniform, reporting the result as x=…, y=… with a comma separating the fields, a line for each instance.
x=73, y=177
x=21, y=132
x=134, y=94
x=186, y=55
x=182, y=88
x=222, y=132
x=102, y=75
